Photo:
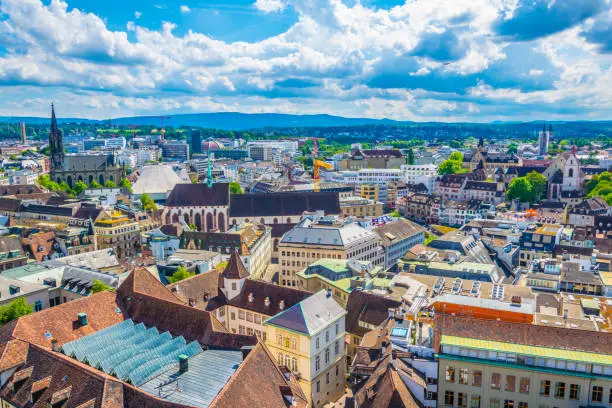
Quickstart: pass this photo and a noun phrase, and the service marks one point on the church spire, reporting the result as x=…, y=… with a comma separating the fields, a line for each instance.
x=56, y=144
x=544, y=127
x=549, y=127
x=481, y=142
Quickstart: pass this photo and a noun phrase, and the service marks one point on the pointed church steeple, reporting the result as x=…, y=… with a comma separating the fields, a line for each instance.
x=56, y=143
x=481, y=142
x=544, y=127
x=550, y=128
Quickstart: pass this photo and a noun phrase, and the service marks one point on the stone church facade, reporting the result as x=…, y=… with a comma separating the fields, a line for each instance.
x=74, y=168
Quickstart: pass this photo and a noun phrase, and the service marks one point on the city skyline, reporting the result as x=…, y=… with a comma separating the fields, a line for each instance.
x=404, y=60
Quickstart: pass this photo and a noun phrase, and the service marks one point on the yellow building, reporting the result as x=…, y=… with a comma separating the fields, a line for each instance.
x=308, y=338
x=354, y=206
x=119, y=232
x=369, y=191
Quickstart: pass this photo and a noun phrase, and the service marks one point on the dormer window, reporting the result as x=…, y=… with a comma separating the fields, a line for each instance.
x=251, y=297
x=281, y=305
x=267, y=301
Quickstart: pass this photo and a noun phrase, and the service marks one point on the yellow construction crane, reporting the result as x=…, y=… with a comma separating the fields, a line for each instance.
x=317, y=165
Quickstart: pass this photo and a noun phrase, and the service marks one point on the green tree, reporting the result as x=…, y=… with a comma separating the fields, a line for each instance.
x=180, y=274
x=456, y=156
x=95, y=184
x=15, y=309
x=125, y=183
x=512, y=148
x=520, y=188
x=410, y=157
x=449, y=167
x=99, y=286
x=79, y=187
x=235, y=188
x=147, y=203
x=110, y=184
x=538, y=183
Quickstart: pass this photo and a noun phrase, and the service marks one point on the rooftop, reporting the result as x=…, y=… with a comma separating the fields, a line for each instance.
x=310, y=316
x=546, y=352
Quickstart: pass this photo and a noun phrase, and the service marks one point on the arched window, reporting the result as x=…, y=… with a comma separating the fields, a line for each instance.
x=570, y=173
x=90, y=179
x=221, y=222
x=101, y=179
x=209, y=222
x=275, y=220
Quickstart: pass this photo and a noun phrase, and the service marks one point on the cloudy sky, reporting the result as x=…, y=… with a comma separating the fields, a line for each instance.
x=450, y=60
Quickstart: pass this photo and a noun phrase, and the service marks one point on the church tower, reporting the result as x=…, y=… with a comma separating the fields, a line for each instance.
x=56, y=144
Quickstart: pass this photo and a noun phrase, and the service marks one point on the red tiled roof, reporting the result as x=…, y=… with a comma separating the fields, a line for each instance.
x=258, y=382
x=143, y=282
x=12, y=354
x=235, y=268
x=61, y=322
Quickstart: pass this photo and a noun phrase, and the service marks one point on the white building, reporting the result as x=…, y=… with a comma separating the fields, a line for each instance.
x=289, y=147
x=22, y=177
x=115, y=143
x=421, y=173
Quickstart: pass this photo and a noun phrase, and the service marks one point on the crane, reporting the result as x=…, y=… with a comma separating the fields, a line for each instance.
x=161, y=118
x=317, y=165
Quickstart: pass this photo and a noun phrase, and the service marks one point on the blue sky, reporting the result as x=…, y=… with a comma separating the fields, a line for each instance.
x=449, y=60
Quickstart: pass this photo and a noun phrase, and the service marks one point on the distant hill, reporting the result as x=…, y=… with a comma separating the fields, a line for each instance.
x=244, y=121
x=223, y=120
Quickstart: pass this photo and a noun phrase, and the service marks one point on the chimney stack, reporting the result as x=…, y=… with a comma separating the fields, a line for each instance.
x=183, y=363
x=82, y=319
x=54, y=345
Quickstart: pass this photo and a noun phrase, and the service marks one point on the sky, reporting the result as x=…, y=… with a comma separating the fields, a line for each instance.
x=421, y=60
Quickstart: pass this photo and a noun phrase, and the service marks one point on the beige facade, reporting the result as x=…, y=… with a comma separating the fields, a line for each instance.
x=467, y=382
x=241, y=321
x=360, y=207
x=119, y=233
x=369, y=191
x=294, y=257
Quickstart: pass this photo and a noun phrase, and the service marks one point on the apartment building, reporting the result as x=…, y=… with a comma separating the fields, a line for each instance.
x=324, y=237
x=515, y=365
x=118, y=232
x=308, y=338
x=354, y=206
x=397, y=237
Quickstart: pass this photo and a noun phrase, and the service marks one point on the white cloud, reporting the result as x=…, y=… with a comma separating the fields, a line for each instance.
x=270, y=6
x=137, y=15
x=332, y=51
x=185, y=9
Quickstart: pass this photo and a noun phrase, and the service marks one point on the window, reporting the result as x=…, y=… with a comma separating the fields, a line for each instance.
x=327, y=378
x=462, y=400
x=249, y=317
x=38, y=306
x=574, y=392
x=449, y=398
x=524, y=385
x=257, y=319
x=318, y=386
x=523, y=404
x=477, y=378
x=337, y=328
x=560, y=390
x=337, y=370
x=545, y=388
x=241, y=329
x=317, y=363
x=294, y=343
x=317, y=343
x=450, y=374
x=233, y=285
x=610, y=397
x=597, y=394
x=475, y=401
x=337, y=348
x=241, y=314
x=510, y=383
x=464, y=375
x=496, y=381
x=326, y=355
x=494, y=403
x=508, y=404
x=279, y=338
x=280, y=359
x=326, y=336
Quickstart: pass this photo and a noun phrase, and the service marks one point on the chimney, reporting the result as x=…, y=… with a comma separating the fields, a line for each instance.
x=82, y=319
x=192, y=302
x=183, y=363
x=565, y=313
x=54, y=345
x=329, y=292
x=245, y=351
